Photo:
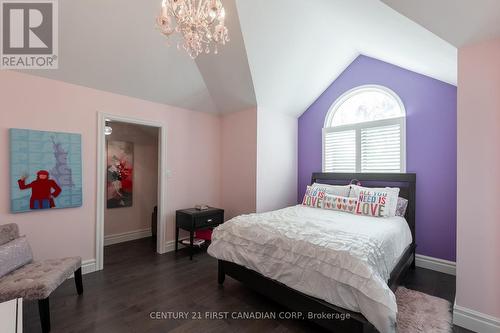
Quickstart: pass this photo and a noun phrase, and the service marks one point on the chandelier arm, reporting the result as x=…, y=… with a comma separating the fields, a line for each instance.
x=195, y=21
x=198, y=10
x=171, y=10
x=190, y=2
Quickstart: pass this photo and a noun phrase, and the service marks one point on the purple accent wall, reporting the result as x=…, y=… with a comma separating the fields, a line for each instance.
x=431, y=145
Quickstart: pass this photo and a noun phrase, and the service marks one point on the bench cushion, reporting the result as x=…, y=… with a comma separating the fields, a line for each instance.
x=14, y=254
x=37, y=280
x=8, y=232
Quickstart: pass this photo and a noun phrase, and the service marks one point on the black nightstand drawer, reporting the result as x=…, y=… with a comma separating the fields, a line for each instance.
x=208, y=220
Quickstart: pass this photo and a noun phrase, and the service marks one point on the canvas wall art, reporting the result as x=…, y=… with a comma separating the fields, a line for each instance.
x=120, y=172
x=45, y=170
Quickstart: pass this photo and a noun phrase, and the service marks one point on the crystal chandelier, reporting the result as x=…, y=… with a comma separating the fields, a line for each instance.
x=200, y=22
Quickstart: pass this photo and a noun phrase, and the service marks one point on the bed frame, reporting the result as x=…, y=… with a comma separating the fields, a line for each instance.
x=299, y=302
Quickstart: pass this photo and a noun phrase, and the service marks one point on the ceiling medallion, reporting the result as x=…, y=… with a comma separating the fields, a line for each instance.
x=200, y=22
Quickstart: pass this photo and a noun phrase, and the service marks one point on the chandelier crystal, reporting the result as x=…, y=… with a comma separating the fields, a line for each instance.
x=200, y=22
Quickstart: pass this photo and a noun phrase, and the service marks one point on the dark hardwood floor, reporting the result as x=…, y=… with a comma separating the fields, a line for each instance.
x=136, y=282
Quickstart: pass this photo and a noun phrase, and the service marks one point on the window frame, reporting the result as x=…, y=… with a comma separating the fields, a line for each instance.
x=357, y=127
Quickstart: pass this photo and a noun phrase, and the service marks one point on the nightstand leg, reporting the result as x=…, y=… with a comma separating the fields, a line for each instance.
x=176, y=239
x=191, y=236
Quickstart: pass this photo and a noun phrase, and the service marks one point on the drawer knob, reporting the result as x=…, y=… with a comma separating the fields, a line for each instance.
x=209, y=220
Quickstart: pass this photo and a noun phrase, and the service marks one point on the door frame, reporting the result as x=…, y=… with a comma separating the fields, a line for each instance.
x=102, y=117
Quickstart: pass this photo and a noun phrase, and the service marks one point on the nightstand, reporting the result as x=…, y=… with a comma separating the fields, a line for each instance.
x=192, y=219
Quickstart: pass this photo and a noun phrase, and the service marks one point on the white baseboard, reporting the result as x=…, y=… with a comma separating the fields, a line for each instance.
x=88, y=266
x=170, y=245
x=435, y=264
x=475, y=321
x=126, y=236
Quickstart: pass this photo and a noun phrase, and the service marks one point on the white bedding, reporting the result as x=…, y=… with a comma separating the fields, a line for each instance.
x=339, y=257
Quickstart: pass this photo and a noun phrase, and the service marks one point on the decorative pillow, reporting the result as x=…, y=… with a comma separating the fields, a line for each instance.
x=8, y=232
x=338, y=190
x=314, y=197
x=379, y=202
x=14, y=254
x=343, y=204
x=401, y=207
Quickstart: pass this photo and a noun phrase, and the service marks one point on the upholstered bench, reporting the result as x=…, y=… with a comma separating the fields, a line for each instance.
x=38, y=279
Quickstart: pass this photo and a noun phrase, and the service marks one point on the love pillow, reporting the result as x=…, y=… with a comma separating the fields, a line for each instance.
x=376, y=202
x=343, y=204
x=313, y=197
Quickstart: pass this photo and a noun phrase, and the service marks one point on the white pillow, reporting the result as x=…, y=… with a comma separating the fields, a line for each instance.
x=378, y=201
x=338, y=190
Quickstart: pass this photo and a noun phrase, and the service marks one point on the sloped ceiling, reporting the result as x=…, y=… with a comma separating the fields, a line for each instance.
x=114, y=46
x=297, y=48
x=282, y=55
x=227, y=74
x=458, y=22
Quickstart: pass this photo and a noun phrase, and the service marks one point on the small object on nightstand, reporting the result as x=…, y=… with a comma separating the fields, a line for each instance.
x=196, y=242
x=201, y=207
x=193, y=220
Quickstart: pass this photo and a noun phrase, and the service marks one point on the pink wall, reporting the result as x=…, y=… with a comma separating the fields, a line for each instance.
x=37, y=103
x=137, y=217
x=239, y=162
x=478, y=223
x=276, y=160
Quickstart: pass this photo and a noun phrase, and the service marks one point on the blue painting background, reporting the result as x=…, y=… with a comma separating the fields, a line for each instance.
x=31, y=151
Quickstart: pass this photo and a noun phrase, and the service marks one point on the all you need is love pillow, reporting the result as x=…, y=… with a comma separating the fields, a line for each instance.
x=317, y=197
x=378, y=202
x=372, y=203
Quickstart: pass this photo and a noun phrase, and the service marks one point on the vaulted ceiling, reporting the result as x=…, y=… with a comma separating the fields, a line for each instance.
x=297, y=48
x=459, y=22
x=282, y=55
x=114, y=46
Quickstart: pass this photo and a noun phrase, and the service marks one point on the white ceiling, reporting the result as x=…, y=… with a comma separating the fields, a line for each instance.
x=114, y=46
x=282, y=55
x=459, y=22
x=297, y=48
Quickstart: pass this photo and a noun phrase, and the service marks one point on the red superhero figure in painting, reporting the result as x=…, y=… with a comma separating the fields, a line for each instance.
x=42, y=196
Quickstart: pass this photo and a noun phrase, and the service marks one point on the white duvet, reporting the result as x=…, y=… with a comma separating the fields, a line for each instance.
x=339, y=257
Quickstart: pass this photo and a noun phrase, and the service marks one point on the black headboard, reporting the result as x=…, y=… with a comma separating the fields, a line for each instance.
x=405, y=181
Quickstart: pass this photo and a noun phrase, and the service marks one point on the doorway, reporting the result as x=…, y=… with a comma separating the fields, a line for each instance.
x=130, y=183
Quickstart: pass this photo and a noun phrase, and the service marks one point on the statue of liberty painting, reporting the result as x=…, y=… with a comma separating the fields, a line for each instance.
x=45, y=170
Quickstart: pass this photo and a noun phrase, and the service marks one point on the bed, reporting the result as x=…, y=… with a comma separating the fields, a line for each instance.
x=337, y=269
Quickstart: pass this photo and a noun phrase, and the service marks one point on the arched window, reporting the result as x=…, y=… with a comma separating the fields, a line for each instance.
x=365, y=132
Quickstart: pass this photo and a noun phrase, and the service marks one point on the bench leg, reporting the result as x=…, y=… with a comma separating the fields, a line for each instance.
x=44, y=310
x=78, y=281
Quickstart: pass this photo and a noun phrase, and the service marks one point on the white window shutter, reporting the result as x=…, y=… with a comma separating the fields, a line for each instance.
x=381, y=149
x=339, y=151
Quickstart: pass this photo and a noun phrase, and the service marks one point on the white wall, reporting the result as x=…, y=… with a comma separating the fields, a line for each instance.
x=478, y=217
x=276, y=160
